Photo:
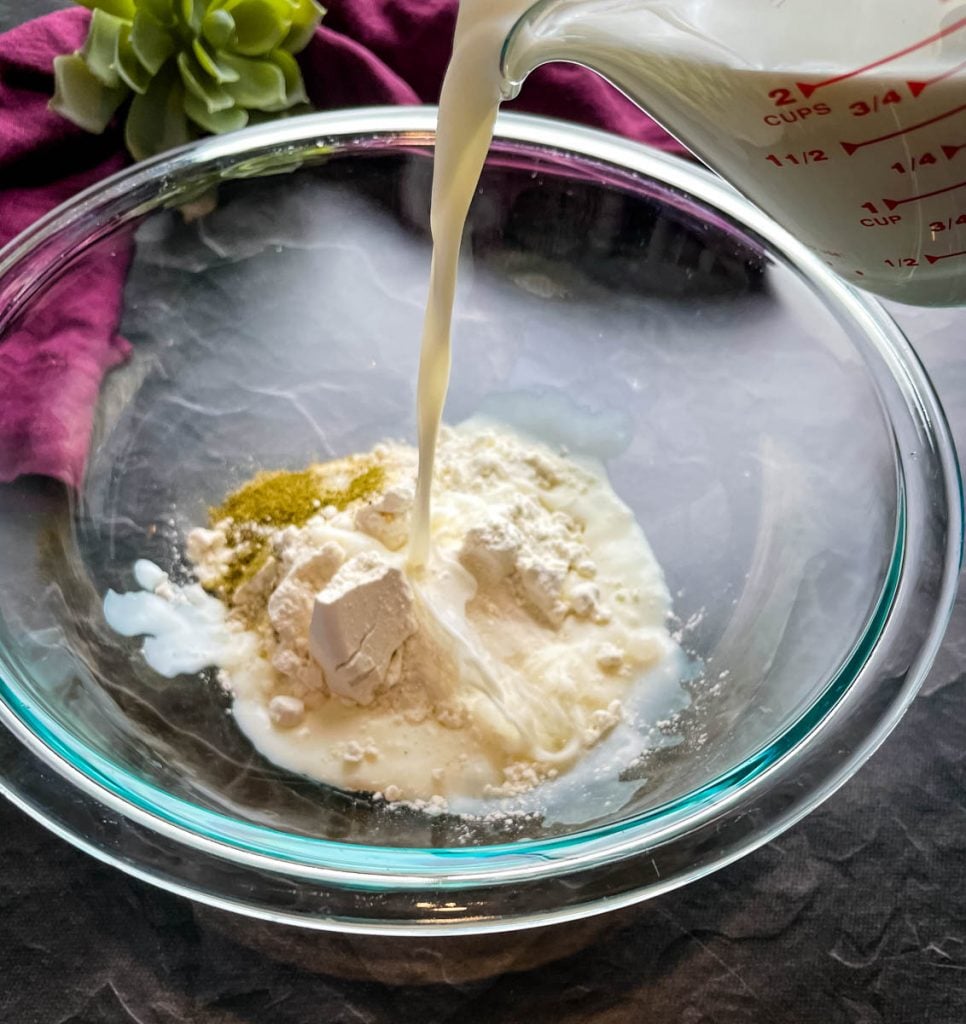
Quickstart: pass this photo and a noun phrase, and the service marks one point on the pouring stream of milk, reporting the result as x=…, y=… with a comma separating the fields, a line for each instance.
x=729, y=113
x=467, y=112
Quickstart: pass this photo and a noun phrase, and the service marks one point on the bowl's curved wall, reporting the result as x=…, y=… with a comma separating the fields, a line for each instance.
x=770, y=429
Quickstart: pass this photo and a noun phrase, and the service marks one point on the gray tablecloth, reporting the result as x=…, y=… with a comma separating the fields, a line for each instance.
x=855, y=916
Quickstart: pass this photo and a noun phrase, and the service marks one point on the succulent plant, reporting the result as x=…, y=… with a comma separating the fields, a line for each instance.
x=189, y=66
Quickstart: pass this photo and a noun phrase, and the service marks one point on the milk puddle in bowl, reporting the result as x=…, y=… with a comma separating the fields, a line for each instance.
x=480, y=624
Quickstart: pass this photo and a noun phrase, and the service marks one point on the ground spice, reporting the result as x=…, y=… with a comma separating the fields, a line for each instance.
x=273, y=500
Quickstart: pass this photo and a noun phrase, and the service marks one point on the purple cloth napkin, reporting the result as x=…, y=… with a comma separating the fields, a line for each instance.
x=368, y=52
x=51, y=367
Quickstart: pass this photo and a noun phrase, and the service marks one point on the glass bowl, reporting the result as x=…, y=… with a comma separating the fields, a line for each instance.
x=770, y=427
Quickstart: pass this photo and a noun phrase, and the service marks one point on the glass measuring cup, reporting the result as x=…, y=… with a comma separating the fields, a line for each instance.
x=846, y=122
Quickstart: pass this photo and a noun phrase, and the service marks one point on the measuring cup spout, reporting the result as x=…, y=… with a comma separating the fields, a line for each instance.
x=622, y=40
x=552, y=30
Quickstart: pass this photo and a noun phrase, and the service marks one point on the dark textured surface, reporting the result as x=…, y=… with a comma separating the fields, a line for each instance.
x=855, y=916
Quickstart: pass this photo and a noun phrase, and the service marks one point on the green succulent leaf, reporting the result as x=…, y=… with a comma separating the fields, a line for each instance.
x=81, y=97
x=99, y=51
x=201, y=86
x=228, y=119
x=152, y=40
x=292, y=73
x=130, y=69
x=117, y=8
x=193, y=12
x=305, y=20
x=213, y=65
x=260, y=25
x=260, y=85
x=187, y=66
x=217, y=28
x=157, y=120
x=163, y=11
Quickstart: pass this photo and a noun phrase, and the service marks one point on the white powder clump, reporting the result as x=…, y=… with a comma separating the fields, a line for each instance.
x=210, y=554
x=359, y=620
x=286, y=712
x=610, y=657
x=388, y=518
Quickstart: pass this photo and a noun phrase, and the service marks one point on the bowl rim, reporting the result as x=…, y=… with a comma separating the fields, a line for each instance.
x=338, y=863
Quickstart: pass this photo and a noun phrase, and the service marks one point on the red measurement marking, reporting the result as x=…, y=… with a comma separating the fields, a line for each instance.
x=891, y=204
x=950, y=151
x=948, y=256
x=807, y=88
x=808, y=156
x=924, y=160
x=851, y=147
x=917, y=88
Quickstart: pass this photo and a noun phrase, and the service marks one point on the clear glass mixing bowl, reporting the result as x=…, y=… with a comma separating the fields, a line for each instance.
x=773, y=432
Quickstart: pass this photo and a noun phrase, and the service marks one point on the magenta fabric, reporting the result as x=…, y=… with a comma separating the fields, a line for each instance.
x=51, y=368
x=367, y=52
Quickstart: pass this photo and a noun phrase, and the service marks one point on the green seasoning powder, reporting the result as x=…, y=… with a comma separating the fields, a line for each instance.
x=274, y=500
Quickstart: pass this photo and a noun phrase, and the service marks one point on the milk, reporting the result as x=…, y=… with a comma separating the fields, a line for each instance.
x=847, y=124
x=467, y=111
